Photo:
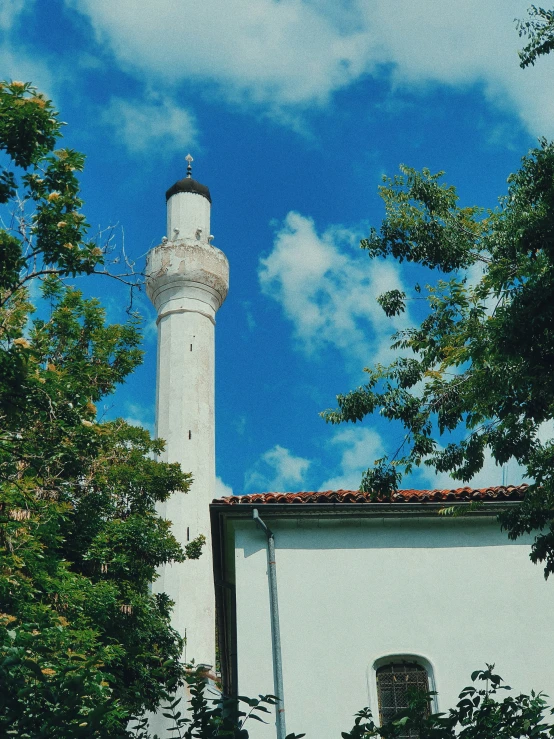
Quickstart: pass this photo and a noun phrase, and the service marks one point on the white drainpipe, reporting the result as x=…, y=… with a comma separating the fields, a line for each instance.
x=275, y=632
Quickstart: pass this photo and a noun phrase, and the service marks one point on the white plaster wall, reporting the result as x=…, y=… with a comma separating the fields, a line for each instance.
x=185, y=419
x=455, y=592
x=187, y=212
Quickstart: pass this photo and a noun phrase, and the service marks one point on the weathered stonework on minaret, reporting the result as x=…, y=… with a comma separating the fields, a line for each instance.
x=187, y=280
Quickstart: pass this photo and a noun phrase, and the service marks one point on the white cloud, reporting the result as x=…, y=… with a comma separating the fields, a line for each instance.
x=221, y=489
x=546, y=431
x=9, y=13
x=250, y=320
x=462, y=44
x=162, y=123
x=240, y=425
x=268, y=51
x=511, y=473
x=359, y=448
x=18, y=59
x=299, y=52
x=139, y=415
x=17, y=65
x=328, y=289
x=491, y=474
x=277, y=470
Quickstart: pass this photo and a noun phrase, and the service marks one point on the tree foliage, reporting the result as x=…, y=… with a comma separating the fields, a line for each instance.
x=478, y=715
x=84, y=644
x=207, y=718
x=538, y=27
x=481, y=359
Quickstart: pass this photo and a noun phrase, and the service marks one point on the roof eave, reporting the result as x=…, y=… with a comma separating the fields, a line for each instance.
x=376, y=510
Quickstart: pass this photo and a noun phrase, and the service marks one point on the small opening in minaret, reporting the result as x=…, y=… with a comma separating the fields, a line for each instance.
x=191, y=347
x=190, y=435
x=188, y=534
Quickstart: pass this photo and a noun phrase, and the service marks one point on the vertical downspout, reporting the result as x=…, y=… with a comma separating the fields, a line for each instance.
x=275, y=631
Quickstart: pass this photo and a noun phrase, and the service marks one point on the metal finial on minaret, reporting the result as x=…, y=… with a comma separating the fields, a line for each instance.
x=189, y=160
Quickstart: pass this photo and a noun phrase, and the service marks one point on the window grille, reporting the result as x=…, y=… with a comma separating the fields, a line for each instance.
x=394, y=682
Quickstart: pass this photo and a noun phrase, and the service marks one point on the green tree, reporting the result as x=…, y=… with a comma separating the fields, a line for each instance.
x=206, y=718
x=478, y=715
x=480, y=362
x=84, y=644
x=538, y=27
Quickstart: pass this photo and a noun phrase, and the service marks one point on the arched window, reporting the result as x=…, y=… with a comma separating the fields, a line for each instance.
x=395, y=680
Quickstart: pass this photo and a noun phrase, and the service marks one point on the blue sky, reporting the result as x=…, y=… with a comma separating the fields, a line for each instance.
x=293, y=111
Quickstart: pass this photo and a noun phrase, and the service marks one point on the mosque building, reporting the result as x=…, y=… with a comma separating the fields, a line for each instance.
x=327, y=599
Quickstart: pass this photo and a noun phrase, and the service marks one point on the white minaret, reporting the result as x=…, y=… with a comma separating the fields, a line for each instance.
x=187, y=279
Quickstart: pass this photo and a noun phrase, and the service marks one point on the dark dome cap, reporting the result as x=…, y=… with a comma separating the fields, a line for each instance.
x=188, y=185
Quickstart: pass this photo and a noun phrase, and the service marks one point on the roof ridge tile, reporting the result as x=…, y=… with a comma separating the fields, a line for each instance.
x=409, y=495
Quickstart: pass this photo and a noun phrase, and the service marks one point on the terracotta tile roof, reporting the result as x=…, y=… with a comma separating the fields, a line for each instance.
x=466, y=494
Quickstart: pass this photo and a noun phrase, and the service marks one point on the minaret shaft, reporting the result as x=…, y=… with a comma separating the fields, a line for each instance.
x=185, y=419
x=187, y=280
